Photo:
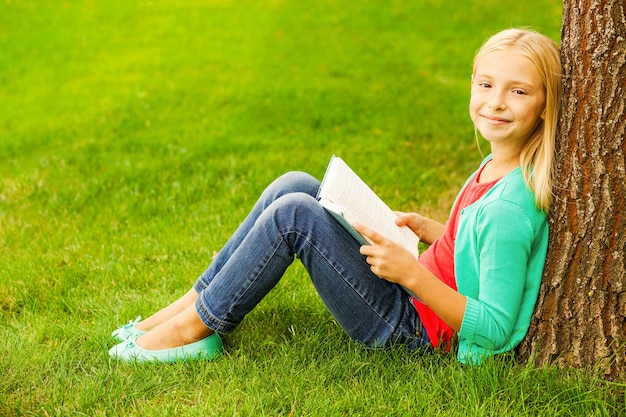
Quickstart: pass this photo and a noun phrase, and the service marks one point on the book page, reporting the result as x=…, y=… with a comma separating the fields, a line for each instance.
x=344, y=193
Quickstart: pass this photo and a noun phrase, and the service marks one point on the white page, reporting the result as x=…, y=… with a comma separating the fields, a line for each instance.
x=343, y=192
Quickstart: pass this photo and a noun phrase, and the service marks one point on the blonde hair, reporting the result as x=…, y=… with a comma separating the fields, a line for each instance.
x=537, y=154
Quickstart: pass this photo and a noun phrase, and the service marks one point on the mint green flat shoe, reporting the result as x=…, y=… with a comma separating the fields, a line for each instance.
x=208, y=348
x=128, y=331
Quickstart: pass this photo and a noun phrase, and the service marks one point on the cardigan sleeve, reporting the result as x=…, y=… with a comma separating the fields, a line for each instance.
x=503, y=241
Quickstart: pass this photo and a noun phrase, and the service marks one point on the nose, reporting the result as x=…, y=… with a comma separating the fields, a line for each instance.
x=496, y=100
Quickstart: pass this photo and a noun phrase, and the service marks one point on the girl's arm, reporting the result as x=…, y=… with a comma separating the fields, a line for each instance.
x=394, y=263
x=427, y=229
x=501, y=273
x=499, y=293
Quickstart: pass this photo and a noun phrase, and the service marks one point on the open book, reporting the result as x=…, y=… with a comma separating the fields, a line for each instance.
x=344, y=195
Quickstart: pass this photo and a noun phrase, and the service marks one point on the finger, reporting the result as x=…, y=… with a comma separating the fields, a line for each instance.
x=368, y=233
x=402, y=220
x=366, y=250
x=372, y=263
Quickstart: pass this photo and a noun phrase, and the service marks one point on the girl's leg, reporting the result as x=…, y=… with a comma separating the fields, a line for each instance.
x=168, y=312
x=368, y=308
x=290, y=183
x=285, y=184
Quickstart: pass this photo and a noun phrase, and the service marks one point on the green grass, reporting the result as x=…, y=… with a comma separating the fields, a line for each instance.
x=134, y=136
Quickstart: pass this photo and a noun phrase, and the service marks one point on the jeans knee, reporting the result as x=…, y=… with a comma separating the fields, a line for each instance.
x=295, y=182
x=295, y=205
x=292, y=212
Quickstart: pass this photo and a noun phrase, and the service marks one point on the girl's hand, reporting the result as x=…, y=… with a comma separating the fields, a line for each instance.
x=428, y=230
x=387, y=259
x=390, y=261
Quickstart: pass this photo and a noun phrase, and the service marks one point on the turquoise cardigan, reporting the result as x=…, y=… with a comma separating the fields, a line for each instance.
x=499, y=253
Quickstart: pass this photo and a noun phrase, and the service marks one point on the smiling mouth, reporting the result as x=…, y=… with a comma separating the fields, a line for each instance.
x=494, y=120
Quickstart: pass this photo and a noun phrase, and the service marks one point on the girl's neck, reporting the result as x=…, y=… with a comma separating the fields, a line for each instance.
x=498, y=167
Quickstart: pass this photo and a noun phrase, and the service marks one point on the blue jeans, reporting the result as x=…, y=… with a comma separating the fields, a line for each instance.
x=287, y=221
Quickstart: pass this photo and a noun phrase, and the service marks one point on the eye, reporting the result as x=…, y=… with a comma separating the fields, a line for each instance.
x=484, y=84
x=519, y=92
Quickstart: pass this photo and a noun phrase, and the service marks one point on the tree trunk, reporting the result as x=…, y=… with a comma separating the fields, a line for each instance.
x=580, y=319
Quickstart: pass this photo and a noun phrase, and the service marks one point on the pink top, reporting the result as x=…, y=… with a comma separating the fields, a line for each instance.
x=439, y=260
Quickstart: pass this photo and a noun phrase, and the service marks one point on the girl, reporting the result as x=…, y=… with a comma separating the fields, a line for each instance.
x=478, y=281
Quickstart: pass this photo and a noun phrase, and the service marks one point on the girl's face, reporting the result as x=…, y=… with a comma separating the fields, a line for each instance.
x=507, y=99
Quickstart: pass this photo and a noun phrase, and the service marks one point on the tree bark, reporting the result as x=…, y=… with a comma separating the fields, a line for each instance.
x=580, y=318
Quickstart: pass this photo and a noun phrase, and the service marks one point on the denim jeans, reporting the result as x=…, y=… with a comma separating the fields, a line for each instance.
x=287, y=221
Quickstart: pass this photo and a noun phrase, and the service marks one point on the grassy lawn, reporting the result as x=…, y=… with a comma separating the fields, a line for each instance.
x=135, y=135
